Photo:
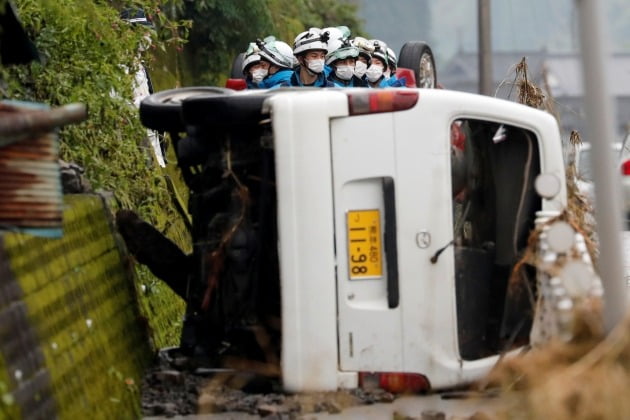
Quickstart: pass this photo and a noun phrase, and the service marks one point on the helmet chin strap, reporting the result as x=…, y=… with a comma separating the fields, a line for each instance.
x=311, y=72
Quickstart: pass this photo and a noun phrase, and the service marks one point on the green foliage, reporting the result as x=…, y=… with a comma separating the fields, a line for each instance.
x=323, y=13
x=89, y=55
x=222, y=29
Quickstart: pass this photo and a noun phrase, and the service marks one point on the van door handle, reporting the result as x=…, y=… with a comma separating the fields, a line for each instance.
x=391, y=250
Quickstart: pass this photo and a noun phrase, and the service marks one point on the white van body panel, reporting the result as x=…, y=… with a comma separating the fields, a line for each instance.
x=305, y=235
x=329, y=163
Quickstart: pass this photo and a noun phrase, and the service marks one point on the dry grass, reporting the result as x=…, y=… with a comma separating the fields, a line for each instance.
x=586, y=378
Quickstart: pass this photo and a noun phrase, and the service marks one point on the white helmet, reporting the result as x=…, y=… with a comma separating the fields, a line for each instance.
x=276, y=52
x=380, y=52
x=252, y=57
x=366, y=48
x=392, y=60
x=249, y=61
x=313, y=39
x=339, y=46
x=345, y=51
x=337, y=36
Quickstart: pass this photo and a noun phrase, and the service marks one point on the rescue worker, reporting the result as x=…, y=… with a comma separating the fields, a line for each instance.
x=378, y=64
x=278, y=59
x=390, y=73
x=342, y=61
x=310, y=48
x=376, y=73
x=363, y=60
x=253, y=70
x=391, y=63
x=341, y=58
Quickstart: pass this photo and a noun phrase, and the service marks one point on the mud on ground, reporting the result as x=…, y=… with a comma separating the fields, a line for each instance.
x=175, y=386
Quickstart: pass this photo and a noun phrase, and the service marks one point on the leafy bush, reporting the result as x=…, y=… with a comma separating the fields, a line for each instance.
x=89, y=55
x=86, y=51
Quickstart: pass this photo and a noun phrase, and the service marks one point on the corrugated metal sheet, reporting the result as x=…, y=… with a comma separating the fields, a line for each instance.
x=30, y=186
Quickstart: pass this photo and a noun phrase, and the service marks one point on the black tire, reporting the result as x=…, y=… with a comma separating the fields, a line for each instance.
x=417, y=56
x=237, y=64
x=162, y=110
x=227, y=111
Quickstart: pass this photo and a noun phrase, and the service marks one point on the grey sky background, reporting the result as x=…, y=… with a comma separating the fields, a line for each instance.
x=517, y=25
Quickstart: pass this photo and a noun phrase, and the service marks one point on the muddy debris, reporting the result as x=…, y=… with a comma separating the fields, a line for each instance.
x=176, y=386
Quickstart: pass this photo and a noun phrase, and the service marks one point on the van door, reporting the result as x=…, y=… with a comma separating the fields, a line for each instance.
x=364, y=176
x=391, y=175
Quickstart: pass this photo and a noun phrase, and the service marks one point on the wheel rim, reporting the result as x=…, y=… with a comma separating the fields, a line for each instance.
x=426, y=72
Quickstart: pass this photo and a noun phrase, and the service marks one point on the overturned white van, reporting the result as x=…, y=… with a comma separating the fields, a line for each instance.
x=382, y=241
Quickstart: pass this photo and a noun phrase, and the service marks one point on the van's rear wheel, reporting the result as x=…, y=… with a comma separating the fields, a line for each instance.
x=162, y=110
x=417, y=56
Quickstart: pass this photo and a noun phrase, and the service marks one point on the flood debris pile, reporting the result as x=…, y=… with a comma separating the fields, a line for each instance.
x=219, y=398
x=584, y=378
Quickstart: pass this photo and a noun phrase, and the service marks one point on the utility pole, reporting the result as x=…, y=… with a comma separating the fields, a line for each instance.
x=485, y=48
x=600, y=129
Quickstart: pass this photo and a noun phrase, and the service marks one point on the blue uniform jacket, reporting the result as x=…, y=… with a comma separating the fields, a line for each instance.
x=278, y=79
x=320, y=82
x=337, y=82
x=390, y=82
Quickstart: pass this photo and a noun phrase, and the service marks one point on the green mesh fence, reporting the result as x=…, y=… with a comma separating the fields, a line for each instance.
x=73, y=341
x=8, y=408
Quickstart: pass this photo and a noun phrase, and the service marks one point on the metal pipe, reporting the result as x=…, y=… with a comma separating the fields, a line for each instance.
x=17, y=123
x=485, y=48
x=600, y=123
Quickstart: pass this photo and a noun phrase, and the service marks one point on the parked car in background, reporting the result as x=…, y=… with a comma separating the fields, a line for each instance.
x=624, y=164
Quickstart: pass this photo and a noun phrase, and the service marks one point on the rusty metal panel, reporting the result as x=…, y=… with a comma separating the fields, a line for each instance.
x=31, y=196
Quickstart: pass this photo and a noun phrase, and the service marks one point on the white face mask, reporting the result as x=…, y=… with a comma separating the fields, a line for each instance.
x=374, y=72
x=258, y=75
x=316, y=66
x=344, y=72
x=359, y=69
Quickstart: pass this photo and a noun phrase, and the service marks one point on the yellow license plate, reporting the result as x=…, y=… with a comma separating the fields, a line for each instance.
x=364, y=244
